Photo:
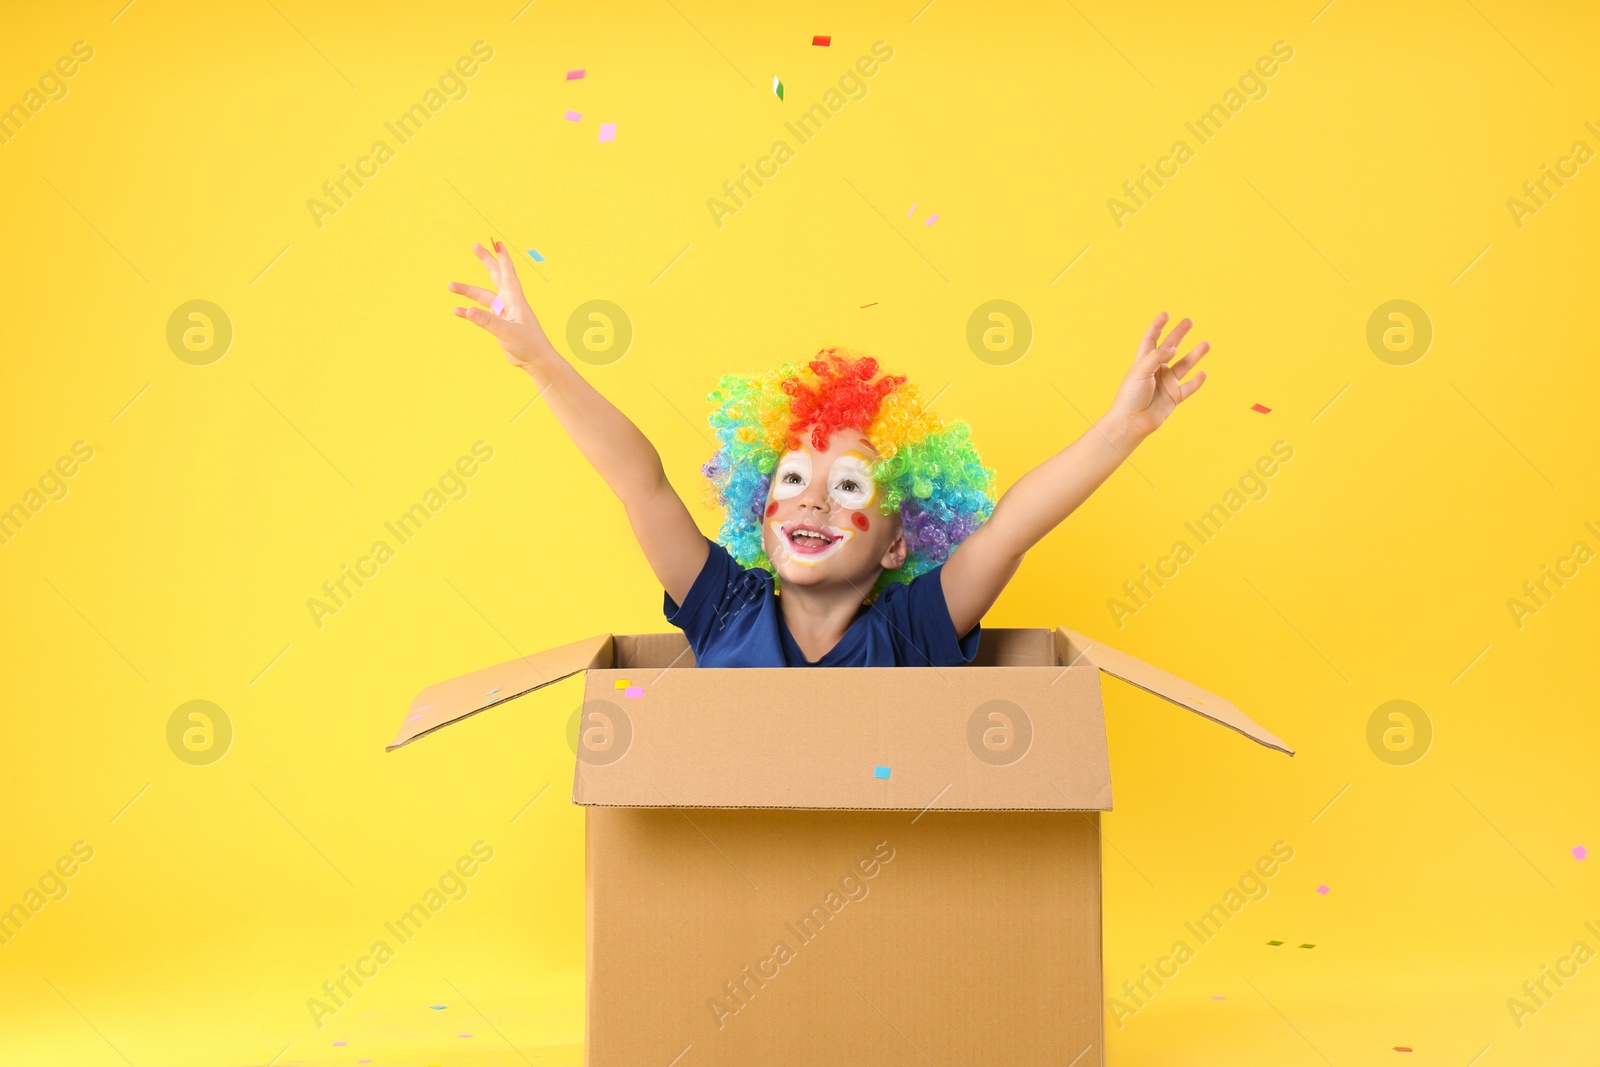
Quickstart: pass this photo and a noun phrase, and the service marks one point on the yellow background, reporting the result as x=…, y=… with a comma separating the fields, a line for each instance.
x=1379, y=567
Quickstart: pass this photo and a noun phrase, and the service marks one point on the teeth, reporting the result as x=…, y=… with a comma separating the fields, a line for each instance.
x=798, y=534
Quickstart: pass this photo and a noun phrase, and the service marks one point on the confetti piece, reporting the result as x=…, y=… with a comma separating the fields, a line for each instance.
x=1322, y=889
x=777, y=87
x=496, y=689
x=622, y=683
x=1216, y=996
x=880, y=772
x=463, y=1035
x=1308, y=946
x=1258, y=407
x=498, y=307
x=1402, y=1048
x=574, y=75
x=413, y=718
x=437, y=1007
x=871, y=305
x=634, y=692
x=822, y=40
x=608, y=131
x=338, y=1043
x=1579, y=852
x=533, y=253
x=1274, y=942
x=931, y=220
x=574, y=116
x=913, y=209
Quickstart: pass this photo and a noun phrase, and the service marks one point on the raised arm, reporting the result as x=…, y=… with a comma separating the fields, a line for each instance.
x=980, y=566
x=608, y=439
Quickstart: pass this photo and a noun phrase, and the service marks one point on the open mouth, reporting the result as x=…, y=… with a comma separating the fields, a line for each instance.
x=809, y=543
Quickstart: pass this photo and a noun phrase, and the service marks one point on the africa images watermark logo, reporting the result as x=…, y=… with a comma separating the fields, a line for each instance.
x=339, y=191
x=852, y=86
x=738, y=992
x=1137, y=993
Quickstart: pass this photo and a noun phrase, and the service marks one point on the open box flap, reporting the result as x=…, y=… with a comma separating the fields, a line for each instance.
x=1077, y=649
x=446, y=702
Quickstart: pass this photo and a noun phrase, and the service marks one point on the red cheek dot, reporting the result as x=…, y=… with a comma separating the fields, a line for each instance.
x=860, y=520
x=772, y=507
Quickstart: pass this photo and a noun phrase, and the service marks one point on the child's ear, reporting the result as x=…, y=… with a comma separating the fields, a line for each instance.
x=895, y=556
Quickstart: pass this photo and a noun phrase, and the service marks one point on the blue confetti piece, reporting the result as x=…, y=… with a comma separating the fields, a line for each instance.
x=437, y=1007
x=880, y=772
x=534, y=252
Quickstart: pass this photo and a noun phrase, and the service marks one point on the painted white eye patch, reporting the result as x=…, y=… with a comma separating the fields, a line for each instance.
x=850, y=484
x=793, y=474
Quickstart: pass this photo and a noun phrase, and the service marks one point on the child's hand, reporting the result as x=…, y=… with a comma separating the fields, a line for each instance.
x=1151, y=388
x=515, y=327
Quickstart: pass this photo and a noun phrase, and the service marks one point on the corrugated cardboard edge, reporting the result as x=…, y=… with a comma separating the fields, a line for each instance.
x=450, y=701
x=1100, y=922
x=1077, y=648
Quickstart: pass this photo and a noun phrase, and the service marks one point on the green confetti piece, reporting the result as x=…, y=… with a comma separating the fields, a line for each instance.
x=1274, y=942
x=777, y=86
x=1308, y=946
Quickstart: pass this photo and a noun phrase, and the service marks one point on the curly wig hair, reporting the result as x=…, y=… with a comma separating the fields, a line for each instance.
x=927, y=471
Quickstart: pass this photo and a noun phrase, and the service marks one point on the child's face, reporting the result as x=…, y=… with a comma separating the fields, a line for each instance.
x=830, y=493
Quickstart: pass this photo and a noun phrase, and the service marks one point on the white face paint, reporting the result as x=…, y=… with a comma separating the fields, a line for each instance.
x=850, y=483
x=809, y=556
x=841, y=509
x=793, y=474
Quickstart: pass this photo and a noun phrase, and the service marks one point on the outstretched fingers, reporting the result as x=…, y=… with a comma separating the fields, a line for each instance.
x=1191, y=387
x=490, y=263
x=1148, y=341
x=1194, y=356
x=1169, y=347
x=483, y=296
x=488, y=320
x=508, y=269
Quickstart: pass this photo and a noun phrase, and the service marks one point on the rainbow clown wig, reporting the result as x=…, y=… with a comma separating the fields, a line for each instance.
x=929, y=472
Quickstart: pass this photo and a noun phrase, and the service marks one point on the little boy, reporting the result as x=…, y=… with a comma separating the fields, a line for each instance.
x=860, y=531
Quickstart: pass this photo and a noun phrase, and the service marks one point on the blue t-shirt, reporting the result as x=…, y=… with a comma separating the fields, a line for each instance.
x=731, y=619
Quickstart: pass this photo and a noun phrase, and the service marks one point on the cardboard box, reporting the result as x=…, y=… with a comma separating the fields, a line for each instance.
x=895, y=866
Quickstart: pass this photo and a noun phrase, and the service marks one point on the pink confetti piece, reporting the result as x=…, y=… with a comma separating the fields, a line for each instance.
x=463, y=1035
x=1322, y=889
x=1216, y=996
x=574, y=116
x=498, y=307
x=931, y=220
x=413, y=718
x=635, y=692
x=574, y=75
x=338, y=1043
x=913, y=209
x=608, y=131
x=1579, y=852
